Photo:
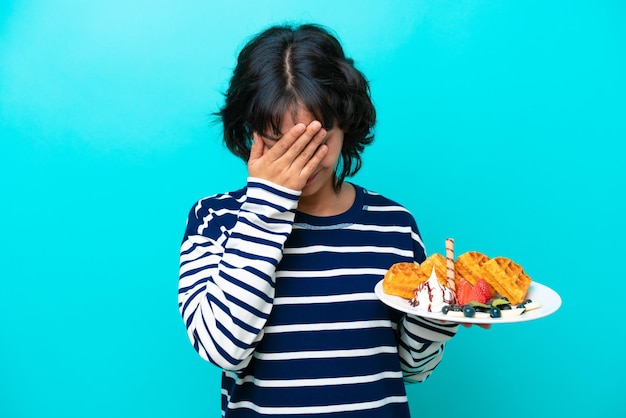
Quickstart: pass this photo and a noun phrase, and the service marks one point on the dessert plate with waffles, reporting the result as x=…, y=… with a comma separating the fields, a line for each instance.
x=471, y=289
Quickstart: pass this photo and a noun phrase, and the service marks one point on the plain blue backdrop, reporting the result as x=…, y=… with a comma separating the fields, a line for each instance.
x=501, y=124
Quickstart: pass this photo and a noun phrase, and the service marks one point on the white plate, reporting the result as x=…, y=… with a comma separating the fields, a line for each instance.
x=549, y=300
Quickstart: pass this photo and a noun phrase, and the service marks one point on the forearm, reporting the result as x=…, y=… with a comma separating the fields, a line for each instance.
x=421, y=345
x=226, y=285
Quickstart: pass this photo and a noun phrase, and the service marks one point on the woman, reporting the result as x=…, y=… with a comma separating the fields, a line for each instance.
x=277, y=278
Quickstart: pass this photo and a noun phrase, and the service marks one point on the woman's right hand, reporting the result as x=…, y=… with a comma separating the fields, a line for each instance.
x=290, y=160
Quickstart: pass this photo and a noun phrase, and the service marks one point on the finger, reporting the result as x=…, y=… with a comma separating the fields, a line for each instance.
x=311, y=148
x=284, y=144
x=301, y=142
x=469, y=325
x=312, y=164
x=256, y=150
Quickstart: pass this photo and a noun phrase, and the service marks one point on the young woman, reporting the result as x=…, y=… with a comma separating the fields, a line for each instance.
x=277, y=278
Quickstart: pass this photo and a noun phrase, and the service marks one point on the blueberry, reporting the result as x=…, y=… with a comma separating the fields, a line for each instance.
x=445, y=309
x=468, y=311
x=495, y=312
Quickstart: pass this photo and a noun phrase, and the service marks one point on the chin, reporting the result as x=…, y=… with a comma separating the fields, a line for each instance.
x=308, y=191
x=316, y=186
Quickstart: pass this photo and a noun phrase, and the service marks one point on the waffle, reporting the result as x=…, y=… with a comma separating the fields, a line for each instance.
x=469, y=267
x=438, y=262
x=508, y=278
x=503, y=275
x=403, y=278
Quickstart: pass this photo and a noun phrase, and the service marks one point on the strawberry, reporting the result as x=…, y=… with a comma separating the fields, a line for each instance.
x=463, y=290
x=484, y=288
x=478, y=295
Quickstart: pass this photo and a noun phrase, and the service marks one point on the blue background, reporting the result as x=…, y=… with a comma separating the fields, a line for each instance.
x=501, y=124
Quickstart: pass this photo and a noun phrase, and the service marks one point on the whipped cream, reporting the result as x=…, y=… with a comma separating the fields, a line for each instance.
x=431, y=296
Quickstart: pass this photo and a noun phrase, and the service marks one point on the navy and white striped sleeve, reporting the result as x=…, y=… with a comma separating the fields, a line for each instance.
x=228, y=260
x=421, y=341
x=421, y=346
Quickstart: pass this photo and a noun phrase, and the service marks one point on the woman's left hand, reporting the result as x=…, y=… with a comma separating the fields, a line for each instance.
x=483, y=326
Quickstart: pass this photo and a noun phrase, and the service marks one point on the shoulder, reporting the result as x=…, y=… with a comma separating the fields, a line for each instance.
x=222, y=206
x=377, y=202
x=392, y=216
x=382, y=210
x=219, y=201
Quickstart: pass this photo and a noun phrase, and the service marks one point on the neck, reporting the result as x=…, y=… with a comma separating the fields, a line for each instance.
x=327, y=201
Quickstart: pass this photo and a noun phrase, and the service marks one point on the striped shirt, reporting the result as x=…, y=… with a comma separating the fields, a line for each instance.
x=284, y=303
